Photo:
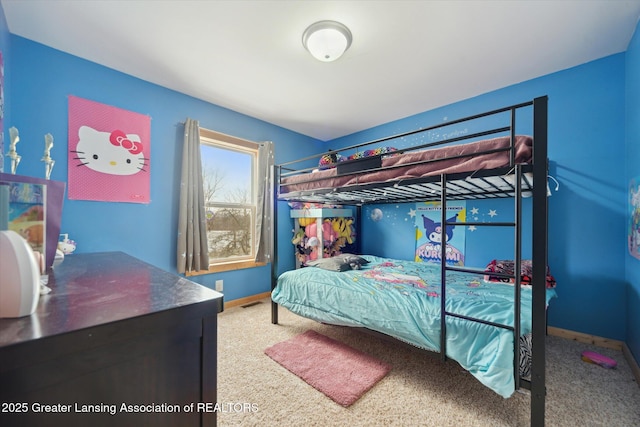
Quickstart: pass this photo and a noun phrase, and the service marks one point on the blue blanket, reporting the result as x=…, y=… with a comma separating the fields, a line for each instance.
x=402, y=299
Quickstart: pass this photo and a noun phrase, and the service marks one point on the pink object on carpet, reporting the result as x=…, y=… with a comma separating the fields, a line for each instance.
x=342, y=373
x=598, y=359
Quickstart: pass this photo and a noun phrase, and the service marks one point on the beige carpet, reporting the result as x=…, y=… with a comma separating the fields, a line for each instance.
x=420, y=390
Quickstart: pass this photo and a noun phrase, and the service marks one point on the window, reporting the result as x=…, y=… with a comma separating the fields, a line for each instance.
x=229, y=170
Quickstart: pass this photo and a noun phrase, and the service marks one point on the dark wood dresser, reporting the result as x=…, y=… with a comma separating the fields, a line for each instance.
x=117, y=342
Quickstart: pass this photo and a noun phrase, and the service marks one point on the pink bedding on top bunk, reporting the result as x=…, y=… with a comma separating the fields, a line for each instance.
x=329, y=179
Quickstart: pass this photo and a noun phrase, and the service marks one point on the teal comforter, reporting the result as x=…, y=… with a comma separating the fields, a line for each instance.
x=402, y=299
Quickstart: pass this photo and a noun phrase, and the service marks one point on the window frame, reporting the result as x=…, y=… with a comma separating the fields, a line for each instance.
x=232, y=143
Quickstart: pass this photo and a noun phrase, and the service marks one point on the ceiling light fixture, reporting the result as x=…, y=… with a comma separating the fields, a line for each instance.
x=326, y=40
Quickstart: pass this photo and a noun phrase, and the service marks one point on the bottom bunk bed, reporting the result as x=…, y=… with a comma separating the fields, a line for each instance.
x=402, y=299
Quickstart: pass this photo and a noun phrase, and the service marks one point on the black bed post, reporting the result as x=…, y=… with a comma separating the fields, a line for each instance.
x=358, y=221
x=443, y=267
x=274, y=256
x=540, y=211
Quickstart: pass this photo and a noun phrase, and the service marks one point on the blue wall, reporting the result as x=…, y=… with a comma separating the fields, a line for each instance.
x=587, y=214
x=632, y=271
x=5, y=48
x=43, y=78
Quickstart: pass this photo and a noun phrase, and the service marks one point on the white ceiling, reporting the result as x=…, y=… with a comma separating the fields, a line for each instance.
x=406, y=57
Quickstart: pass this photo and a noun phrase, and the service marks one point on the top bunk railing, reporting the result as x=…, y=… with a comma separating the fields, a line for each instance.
x=476, y=181
x=511, y=108
x=399, y=150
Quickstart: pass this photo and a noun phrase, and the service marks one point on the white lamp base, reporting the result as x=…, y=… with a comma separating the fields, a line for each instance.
x=20, y=278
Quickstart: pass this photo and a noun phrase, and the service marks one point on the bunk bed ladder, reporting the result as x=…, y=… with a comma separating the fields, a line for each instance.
x=516, y=328
x=443, y=267
x=539, y=264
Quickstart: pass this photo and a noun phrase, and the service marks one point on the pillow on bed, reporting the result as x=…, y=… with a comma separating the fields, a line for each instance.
x=508, y=266
x=342, y=262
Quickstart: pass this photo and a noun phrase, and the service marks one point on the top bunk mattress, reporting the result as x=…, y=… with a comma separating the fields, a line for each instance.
x=470, y=157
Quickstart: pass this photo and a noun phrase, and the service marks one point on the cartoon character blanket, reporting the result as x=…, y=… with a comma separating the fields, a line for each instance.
x=402, y=299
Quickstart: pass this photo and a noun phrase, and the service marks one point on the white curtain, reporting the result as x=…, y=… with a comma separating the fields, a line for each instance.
x=264, y=208
x=192, y=248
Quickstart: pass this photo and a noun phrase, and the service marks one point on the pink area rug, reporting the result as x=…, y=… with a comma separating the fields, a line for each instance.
x=342, y=373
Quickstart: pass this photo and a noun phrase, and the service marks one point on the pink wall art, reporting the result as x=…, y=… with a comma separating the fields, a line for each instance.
x=109, y=153
x=633, y=230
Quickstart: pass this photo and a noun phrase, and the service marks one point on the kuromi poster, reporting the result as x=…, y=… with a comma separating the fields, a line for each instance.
x=428, y=223
x=109, y=153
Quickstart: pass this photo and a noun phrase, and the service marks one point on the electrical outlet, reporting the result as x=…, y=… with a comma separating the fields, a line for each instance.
x=219, y=285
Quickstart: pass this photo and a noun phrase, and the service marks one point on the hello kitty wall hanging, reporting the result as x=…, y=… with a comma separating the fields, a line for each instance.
x=109, y=153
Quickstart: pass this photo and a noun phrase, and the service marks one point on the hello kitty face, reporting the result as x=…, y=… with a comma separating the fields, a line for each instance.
x=114, y=153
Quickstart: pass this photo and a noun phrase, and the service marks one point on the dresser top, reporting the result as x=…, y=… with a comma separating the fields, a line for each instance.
x=89, y=290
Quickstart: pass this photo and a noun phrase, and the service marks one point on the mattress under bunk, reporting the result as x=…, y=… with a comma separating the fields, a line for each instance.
x=368, y=173
x=402, y=299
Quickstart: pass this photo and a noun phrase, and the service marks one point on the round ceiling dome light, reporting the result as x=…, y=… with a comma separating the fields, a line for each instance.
x=326, y=40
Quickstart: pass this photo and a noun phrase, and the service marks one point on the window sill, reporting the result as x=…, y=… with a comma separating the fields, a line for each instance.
x=228, y=266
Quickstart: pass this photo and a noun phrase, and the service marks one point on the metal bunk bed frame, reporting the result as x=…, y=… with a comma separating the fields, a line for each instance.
x=480, y=184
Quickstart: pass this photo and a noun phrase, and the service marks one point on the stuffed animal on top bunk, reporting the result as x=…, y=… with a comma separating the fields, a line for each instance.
x=373, y=152
x=330, y=158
